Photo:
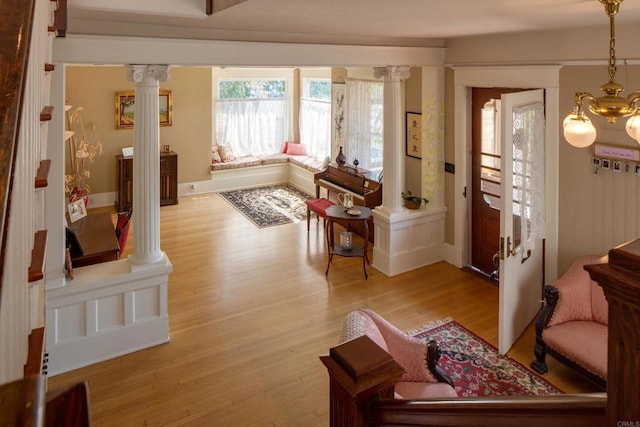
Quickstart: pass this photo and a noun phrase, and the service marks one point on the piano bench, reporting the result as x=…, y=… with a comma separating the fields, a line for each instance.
x=319, y=207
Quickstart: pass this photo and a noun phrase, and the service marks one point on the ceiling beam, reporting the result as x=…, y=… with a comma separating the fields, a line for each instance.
x=214, y=6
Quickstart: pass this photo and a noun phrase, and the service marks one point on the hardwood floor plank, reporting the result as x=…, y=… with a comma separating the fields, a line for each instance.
x=250, y=311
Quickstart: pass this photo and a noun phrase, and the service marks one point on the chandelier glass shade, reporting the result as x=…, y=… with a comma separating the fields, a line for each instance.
x=578, y=129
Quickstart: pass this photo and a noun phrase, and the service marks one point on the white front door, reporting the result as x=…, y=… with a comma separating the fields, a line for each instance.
x=522, y=213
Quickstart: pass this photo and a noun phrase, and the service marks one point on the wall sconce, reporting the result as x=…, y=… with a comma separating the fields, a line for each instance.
x=578, y=129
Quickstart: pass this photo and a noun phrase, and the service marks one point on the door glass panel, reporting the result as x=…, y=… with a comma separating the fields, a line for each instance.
x=490, y=161
x=528, y=158
x=490, y=154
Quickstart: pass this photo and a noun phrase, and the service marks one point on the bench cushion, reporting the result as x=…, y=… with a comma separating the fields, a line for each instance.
x=240, y=162
x=306, y=162
x=319, y=206
x=274, y=159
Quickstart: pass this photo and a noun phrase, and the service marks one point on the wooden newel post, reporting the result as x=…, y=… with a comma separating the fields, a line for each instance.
x=620, y=279
x=359, y=373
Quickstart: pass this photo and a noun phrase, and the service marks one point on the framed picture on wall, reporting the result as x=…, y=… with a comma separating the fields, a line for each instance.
x=414, y=135
x=126, y=107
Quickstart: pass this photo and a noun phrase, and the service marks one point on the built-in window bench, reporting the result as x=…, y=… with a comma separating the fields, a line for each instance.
x=276, y=168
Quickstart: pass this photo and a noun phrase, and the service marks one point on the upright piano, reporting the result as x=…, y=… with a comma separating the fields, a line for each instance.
x=365, y=190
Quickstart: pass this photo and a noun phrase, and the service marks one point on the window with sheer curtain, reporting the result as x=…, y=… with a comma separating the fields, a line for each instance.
x=315, y=117
x=252, y=115
x=364, y=113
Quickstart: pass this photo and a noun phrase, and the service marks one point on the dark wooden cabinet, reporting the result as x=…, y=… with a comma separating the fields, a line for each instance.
x=168, y=180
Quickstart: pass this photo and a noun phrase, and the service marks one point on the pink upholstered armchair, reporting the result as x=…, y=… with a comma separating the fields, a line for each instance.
x=422, y=377
x=573, y=325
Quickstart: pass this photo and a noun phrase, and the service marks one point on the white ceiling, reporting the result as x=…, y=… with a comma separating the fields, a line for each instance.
x=382, y=22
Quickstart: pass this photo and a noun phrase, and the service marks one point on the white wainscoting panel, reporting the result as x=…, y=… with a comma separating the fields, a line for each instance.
x=408, y=240
x=302, y=178
x=106, y=311
x=232, y=179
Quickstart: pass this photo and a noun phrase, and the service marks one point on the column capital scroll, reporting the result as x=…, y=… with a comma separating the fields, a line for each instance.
x=140, y=72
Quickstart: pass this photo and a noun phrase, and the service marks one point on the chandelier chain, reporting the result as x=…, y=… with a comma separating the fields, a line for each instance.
x=612, y=50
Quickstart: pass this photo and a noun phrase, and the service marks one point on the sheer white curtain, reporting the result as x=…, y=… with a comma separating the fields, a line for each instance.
x=315, y=127
x=528, y=172
x=364, y=123
x=254, y=126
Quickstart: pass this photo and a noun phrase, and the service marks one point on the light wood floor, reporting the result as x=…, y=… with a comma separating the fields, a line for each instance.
x=250, y=311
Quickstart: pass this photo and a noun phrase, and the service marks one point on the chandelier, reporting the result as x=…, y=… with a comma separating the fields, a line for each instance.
x=578, y=129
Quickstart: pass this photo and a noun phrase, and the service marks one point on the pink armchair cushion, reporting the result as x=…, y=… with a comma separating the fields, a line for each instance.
x=409, y=352
x=416, y=390
x=584, y=342
x=577, y=294
x=356, y=324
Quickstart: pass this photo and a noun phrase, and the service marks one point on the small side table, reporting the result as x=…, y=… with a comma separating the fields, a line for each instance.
x=339, y=213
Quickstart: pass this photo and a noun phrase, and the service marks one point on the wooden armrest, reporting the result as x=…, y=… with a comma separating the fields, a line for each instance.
x=551, y=296
x=433, y=356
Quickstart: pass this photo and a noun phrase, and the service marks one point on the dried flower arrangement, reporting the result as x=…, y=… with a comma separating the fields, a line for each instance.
x=84, y=148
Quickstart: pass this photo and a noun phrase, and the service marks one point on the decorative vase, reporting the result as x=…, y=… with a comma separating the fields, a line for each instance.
x=412, y=204
x=341, y=159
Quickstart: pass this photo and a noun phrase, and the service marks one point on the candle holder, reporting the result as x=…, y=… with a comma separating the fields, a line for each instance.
x=346, y=240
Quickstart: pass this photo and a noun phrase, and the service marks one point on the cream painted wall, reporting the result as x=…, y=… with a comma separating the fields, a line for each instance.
x=413, y=103
x=449, y=156
x=94, y=88
x=193, y=130
x=586, y=44
x=597, y=212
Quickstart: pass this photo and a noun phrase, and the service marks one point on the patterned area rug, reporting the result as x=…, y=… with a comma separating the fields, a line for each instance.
x=270, y=205
x=476, y=368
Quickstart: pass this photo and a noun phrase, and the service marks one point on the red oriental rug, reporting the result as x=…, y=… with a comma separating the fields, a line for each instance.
x=476, y=368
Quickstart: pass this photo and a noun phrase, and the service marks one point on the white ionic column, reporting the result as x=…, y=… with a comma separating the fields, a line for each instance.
x=146, y=163
x=405, y=239
x=393, y=158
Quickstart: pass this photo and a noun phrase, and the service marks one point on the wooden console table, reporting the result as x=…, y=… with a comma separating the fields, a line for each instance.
x=97, y=238
x=168, y=180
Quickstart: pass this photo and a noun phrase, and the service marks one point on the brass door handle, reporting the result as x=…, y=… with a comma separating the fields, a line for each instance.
x=510, y=251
